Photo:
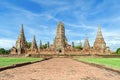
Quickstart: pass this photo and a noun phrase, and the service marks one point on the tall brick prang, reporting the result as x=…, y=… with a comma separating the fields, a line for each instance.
x=21, y=43
x=99, y=43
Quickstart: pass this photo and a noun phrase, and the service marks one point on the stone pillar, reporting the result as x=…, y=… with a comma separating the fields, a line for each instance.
x=86, y=44
x=72, y=45
x=48, y=45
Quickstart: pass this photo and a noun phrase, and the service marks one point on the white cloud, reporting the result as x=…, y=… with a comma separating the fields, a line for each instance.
x=7, y=43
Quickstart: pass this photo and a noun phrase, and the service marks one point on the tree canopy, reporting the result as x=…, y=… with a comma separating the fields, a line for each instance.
x=78, y=47
x=29, y=44
x=4, y=51
x=118, y=51
x=44, y=46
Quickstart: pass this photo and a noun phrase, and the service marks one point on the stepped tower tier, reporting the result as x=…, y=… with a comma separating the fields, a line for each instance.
x=72, y=45
x=99, y=43
x=60, y=41
x=48, y=45
x=21, y=43
x=86, y=44
x=34, y=47
x=40, y=45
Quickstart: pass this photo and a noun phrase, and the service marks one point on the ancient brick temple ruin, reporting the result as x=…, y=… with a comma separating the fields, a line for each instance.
x=60, y=45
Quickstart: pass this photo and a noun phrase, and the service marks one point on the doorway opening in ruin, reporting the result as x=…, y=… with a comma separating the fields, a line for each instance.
x=60, y=51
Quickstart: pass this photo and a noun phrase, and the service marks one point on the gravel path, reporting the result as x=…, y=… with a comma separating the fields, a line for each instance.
x=58, y=69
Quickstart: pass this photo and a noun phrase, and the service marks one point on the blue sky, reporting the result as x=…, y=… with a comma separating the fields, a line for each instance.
x=40, y=18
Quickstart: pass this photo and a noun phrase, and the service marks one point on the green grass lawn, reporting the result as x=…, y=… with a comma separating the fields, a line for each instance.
x=110, y=62
x=9, y=61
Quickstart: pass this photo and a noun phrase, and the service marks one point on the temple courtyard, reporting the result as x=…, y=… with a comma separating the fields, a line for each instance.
x=58, y=69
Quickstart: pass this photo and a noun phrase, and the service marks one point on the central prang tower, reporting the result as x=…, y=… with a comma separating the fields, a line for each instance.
x=60, y=42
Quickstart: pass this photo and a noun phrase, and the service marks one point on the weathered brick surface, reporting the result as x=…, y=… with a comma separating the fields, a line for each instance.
x=60, y=44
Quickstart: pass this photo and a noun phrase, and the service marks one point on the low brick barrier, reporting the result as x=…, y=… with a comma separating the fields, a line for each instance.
x=108, y=55
x=100, y=66
x=63, y=55
x=21, y=64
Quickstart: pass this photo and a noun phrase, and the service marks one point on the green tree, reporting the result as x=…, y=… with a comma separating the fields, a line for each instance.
x=7, y=51
x=29, y=44
x=78, y=47
x=3, y=51
x=44, y=46
x=118, y=51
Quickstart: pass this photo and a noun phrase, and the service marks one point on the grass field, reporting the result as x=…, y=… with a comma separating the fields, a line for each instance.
x=110, y=62
x=9, y=61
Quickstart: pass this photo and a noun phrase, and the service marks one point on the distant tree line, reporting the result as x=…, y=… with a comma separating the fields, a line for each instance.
x=4, y=51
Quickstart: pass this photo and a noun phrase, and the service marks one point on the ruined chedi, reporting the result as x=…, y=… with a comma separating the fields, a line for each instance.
x=34, y=48
x=99, y=44
x=60, y=42
x=86, y=44
x=21, y=43
x=60, y=45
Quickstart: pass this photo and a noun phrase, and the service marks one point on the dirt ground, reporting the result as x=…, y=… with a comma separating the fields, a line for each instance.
x=58, y=69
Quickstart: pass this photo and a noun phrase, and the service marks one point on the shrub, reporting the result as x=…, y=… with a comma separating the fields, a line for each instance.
x=3, y=51
x=118, y=51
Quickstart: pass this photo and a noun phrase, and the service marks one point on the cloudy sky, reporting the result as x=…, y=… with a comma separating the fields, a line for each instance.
x=40, y=18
